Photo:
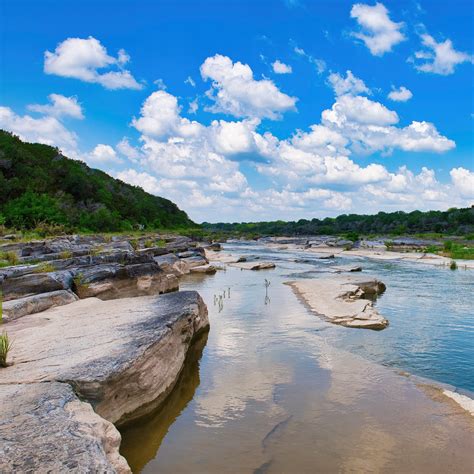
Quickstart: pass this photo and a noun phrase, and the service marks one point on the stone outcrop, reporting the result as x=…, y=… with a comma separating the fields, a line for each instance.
x=120, y=281
x=342, y=300
x=34, y=304
x=93, y=266
x=46, y=428
x=123, y=358
x=121, y=355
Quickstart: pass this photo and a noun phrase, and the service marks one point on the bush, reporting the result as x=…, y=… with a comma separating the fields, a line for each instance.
x=453, y=265
x=31, y=209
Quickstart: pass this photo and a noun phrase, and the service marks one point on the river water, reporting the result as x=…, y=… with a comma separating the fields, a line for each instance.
x=274, y=388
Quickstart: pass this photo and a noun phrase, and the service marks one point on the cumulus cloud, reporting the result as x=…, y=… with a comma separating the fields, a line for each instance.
x=103, y=154
x=347, y=85
x=463, y=181
x=46, y=129
x=281, y=68
x=439, y=58
x=88, y=60
x=60, y=106
x=402, y=94
x=379, y=33
x=235, y=91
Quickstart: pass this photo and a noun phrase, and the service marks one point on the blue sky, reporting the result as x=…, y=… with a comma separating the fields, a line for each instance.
x=252, y=110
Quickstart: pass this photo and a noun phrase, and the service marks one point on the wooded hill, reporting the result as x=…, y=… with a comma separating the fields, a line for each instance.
x=39, y=185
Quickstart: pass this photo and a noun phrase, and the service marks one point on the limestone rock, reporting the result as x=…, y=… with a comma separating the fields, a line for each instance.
x=35, y=283
x=123, y=356
x=207, y=269
x=34, y=304
x=119, y=281
x=342, y=300
x=45, y=428
x=255, y=265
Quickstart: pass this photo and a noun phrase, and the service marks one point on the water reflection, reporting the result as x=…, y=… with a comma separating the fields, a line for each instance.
x=142, y=439
x=284, y=391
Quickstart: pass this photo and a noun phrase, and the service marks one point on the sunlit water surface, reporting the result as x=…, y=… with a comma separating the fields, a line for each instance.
x=274, y=388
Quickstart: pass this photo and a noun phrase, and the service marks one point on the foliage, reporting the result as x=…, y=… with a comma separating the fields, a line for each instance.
x=5, y=346
x=44, y=267
x=10, y=258
x=451, y=222
x=42, y=189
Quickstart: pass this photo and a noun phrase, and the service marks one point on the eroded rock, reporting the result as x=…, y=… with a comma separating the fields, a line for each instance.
x=342, y=300
x=123, y=356
x=45, y=428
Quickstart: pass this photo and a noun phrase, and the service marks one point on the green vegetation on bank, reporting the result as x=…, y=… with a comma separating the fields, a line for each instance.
x=42, y=188
x=458, y=222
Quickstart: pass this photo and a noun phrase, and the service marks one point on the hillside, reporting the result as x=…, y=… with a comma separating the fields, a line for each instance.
x=453, y=221
x=40, y=185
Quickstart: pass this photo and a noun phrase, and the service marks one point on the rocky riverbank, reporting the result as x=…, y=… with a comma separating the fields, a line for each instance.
x=96, y=343
x=59, y=271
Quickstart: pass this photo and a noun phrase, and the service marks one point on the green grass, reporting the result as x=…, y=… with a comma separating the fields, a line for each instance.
x=453, y=250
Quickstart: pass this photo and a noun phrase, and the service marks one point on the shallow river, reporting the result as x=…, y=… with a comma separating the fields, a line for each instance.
x=274, y=388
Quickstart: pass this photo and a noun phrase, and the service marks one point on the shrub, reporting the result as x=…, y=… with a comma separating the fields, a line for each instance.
x=65, y=254
x=44, y=267
x=453, y=265
x=353, y=236
x=448, y=245
x=11, y=258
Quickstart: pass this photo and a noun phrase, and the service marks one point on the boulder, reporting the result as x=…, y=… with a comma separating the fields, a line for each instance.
x=195, y=261
x=207, y=269
x=123, y=356
x=34, y=304
x=170, y=263
x=46, y=428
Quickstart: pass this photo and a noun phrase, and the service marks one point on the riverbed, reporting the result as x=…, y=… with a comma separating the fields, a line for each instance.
x=274, y=388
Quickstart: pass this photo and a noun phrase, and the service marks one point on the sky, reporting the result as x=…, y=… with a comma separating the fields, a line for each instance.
x=252, y=110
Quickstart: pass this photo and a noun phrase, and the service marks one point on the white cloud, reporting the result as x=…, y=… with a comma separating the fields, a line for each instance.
x=235, y=91
x=160, y=117
x=379, y=33
x=103, y=154
x=347, y=85
x=402, y=94
x=439, y=58
x=463, y=181
x=60, y=106
x=84, y=58
x=281, y=68
x=319, y=64
x=350, y=109
x=128, y=150
x=193, y=106
x=190, y=81
x=47, y=130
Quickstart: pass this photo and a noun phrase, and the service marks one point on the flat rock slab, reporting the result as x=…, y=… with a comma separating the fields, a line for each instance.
x=45, y=428
x=254, y=265
x=341, y=300
x=122, y=356
x=34, y=304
